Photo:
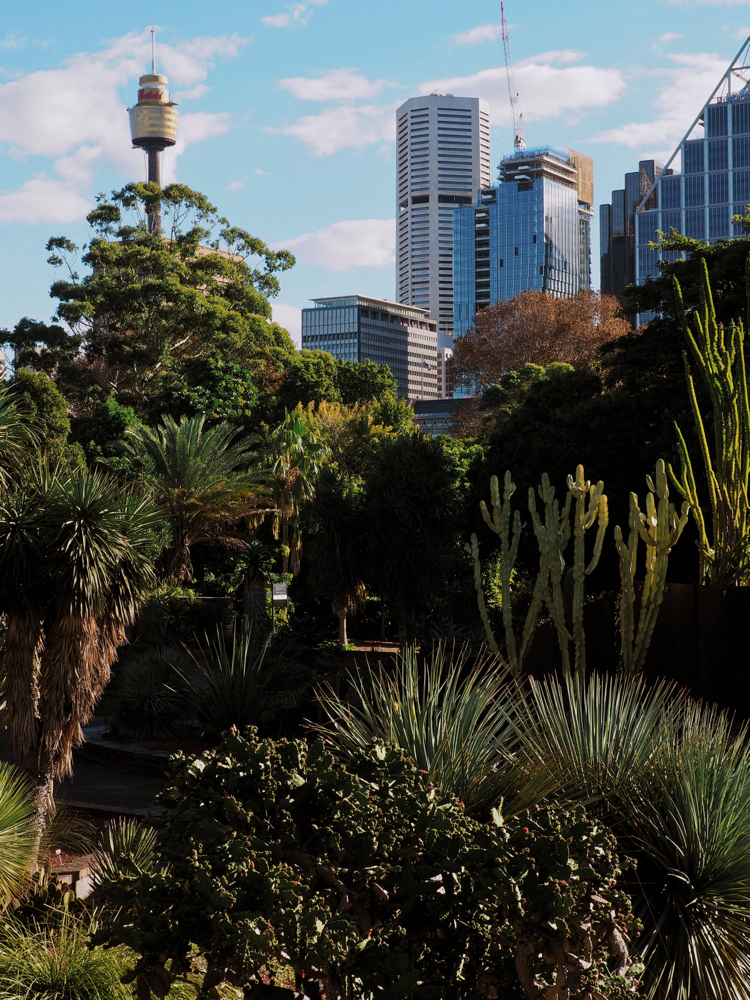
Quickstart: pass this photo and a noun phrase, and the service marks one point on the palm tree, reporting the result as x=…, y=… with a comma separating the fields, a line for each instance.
x=74, y=567
x=293, y=450
x=203, y=485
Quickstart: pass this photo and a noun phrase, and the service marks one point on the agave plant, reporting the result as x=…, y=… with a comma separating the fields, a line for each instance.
x=153, y=699
x=230, y=683
x=125, y=843
x=17, y=836
x=456, y=715
x=672, y=780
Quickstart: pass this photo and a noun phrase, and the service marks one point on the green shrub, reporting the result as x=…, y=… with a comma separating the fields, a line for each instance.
x=153, y=699
x=124, y=843
x=368, y=882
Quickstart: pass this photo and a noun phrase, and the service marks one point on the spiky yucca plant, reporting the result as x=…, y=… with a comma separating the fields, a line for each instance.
x=16, y=831
x=671, y=778
x=454, y=714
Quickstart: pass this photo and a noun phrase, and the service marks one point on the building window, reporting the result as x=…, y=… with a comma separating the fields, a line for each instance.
x=670, y=221
x=695, y=225
x=670, y=192
x=693, y=191
x=718, y=223
x=692, y=155
x=647, y=225
x=741, y=118
x=741, y=152
x=717, y=120
x=718, y=155
x=718, y=189
x=741, y=184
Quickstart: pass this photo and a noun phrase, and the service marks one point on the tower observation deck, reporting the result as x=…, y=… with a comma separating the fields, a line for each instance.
x=153, y=124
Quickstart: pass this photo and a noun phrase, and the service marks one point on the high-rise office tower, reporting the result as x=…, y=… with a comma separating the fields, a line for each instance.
x=714, y=182
x=532, y=231
x=362, y=328
x=153, y=124
x=443, y=158
x=617, y=228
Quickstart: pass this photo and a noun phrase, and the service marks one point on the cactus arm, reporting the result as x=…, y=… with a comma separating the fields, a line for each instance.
x=473, y=551
x=627, y=559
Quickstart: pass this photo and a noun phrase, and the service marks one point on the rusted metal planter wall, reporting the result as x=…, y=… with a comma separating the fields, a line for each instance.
x=701, y=640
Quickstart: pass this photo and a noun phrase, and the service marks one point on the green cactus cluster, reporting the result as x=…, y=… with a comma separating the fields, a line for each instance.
x=561, y=587
x=718, y=353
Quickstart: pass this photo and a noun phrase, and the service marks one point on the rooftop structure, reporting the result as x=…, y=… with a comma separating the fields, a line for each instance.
x=706, y=179
x=153, y=124
x=362, y=328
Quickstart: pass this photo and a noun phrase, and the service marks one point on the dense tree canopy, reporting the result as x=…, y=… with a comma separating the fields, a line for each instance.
x=538, y=328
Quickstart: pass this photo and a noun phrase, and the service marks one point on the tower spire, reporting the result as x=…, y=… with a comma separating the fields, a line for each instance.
x=153, y=52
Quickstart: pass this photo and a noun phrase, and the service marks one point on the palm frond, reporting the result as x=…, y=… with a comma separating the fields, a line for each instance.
x=17, y=833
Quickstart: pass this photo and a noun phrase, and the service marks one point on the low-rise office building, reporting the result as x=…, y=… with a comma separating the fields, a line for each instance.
x=361, y=328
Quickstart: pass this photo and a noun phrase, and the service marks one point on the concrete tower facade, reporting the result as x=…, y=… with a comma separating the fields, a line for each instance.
x=443, y=158
x=153, y=125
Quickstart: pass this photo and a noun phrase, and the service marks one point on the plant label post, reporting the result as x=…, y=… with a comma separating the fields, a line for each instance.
x=278, y=600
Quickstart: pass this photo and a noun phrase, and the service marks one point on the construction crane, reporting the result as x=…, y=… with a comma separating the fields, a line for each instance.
x=519, y=140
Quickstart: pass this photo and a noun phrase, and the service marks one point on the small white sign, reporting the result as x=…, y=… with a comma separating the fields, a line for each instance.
x=278, y=593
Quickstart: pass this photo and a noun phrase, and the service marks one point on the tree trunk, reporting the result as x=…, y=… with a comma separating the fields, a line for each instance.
x=285, y=542
x=39, y=764
x=256, y=612
x=342, y=627
x=24, y=643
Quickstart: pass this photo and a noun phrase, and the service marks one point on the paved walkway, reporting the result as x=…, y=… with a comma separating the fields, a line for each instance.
x=102, y=785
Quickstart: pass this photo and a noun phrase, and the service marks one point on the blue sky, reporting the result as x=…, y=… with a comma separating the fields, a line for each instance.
x=288, y=109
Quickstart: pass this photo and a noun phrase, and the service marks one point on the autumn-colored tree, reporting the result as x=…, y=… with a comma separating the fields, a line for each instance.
x=538, y=328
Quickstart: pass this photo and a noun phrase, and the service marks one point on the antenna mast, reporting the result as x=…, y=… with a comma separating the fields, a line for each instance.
x=153, y=51
x=519, y=139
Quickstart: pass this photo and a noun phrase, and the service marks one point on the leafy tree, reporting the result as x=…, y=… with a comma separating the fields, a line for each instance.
x=367, y=882
x=350, y=433
x=333, y=519
x=149, y=302
x=222, y=390
x=293, y=452
x=41, y=403
x=203, y=486
x=101, y=436
x=74, y=567
x=411, y=519
x=537, y=328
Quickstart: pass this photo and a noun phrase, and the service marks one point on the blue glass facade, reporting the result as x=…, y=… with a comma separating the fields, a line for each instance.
x=713, y=186
x=531, y=232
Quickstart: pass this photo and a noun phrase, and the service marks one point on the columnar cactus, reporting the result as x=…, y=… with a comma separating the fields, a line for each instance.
x=718, y=353
x=659, y=528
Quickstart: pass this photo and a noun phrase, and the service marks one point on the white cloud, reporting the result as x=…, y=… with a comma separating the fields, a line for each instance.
x=345, y=246
x=741, y=34
x=547, y=90
x=290, y=317
x=484, y=33
x=237, y=185
x=193, y=94
x=337, y=85
x=344, y=127
x=57, y=114
x=12, y=40
x=669, y=36
x=676, y=103
x=43, y=199
x=297, y=16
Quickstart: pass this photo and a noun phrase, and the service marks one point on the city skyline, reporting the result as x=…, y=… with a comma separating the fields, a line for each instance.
x=287, y=113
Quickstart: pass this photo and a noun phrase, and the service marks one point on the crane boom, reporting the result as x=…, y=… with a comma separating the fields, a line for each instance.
x=519, y=139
